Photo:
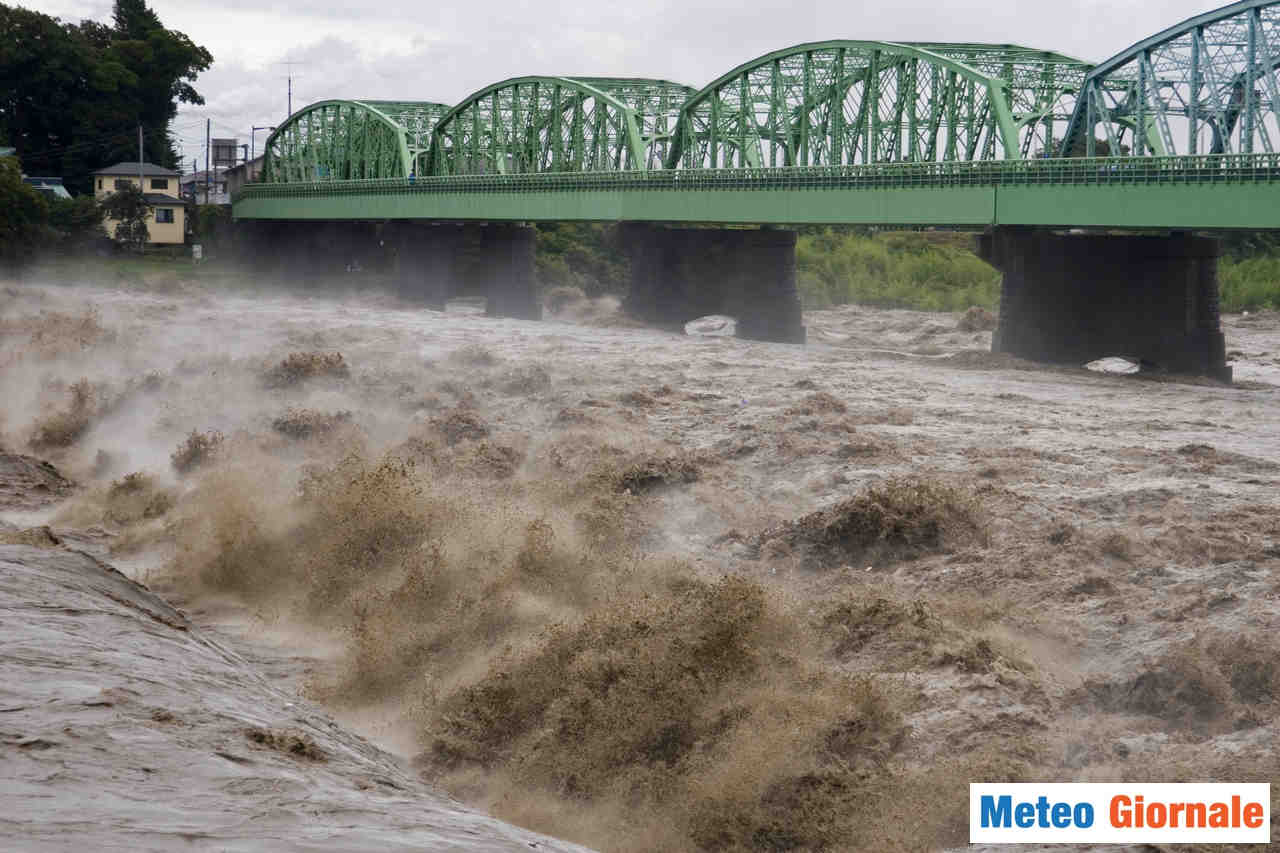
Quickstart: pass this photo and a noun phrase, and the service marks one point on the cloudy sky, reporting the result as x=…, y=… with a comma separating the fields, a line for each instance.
x=442, y=51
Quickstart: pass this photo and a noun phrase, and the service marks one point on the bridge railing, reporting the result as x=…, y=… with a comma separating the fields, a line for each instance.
x=1208, y=168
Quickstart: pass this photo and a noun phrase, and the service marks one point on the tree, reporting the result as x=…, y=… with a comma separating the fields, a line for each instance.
x=74, y=95
x=23, y=212
x=76, y=223
x=128, y=207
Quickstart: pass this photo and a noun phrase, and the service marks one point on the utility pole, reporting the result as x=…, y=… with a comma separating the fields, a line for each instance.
x=140, y=157
x=208, y=128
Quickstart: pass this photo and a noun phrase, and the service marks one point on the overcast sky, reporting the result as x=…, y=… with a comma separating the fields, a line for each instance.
x=444, y=50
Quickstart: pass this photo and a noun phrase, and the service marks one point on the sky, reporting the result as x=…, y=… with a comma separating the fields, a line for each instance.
x=444, y=50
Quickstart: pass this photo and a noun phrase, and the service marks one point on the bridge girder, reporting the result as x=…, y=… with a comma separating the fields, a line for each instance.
x=558, y=124
x=350, y=140
x=1205, y=86
x=853, y=102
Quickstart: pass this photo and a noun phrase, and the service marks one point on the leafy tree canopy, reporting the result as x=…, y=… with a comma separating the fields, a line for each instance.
x=74, y=94
x=128, y=207
x=23, y=212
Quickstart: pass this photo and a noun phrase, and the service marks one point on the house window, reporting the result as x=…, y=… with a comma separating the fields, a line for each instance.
x=159, y=183
x=99, y=183
x=121, y=183
x=164, y=214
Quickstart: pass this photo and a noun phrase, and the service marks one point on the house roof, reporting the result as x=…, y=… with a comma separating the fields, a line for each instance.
x=214, y=174
x=161, y=198
x=132, y=169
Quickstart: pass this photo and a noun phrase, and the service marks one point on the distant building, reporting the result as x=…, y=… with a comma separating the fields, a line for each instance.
x=225, y=152
x=206, y=187
x=49, y=187
x=245, y=173
x=166, y=223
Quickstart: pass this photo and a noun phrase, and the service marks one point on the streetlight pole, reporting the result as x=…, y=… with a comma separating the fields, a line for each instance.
x=252, y=131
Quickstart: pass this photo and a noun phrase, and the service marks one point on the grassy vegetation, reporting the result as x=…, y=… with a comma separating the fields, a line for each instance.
x=1250, y=284
x=938, y=271
x=931, y=270
x=584, y=255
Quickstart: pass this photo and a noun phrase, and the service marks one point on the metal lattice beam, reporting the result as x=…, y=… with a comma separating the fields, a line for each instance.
x=558, y=124
x=850, y=102
x=1205, y=86
x=350, y=140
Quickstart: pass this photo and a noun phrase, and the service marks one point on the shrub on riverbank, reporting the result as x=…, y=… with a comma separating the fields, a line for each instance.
x=1250, y=284
x=930, y=271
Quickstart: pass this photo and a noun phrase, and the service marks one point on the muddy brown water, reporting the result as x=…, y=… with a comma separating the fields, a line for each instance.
x=1128, y=516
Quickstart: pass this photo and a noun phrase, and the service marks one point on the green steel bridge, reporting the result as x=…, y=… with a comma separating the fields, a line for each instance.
x=1180, y=131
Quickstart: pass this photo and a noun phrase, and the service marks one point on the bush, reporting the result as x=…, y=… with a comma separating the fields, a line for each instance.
x=581, y=255
x=1250, y=284
x=929, y=271
x=23, y=214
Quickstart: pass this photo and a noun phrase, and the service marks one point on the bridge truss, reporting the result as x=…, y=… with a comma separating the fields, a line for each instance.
x=857, y=102
x=350, y=140
x=559, y=124
x=1206, y=86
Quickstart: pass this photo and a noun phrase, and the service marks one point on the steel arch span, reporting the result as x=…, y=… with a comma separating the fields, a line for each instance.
x=350, y=140
x=858, y=102
x=1205, y=86
x=559, y=124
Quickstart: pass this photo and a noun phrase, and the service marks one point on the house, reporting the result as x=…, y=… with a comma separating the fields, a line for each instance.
x=166, y=223
x=206, y=187
x=49, y=187
x=245, y=173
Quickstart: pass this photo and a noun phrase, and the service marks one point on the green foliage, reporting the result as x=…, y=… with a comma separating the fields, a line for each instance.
x=1241, y=245
x=23, y=213
x=211, y=223
x=931, y=271
x=1250, y=284
x=583, y=255
x=128, y=206
x=77, y=222
x=74, y=94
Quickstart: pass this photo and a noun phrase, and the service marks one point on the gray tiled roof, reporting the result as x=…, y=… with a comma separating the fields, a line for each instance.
x=132, y=169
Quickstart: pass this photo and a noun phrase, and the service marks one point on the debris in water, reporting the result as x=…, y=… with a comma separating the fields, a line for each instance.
x=1113, y=364
x=712, y=326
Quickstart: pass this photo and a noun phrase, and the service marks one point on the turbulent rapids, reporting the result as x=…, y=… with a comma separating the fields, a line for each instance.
x=295, y=568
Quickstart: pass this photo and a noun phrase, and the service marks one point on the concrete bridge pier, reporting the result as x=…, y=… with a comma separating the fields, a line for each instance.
x=506, y=271
x=305, y=253
x=1075, y=298
x=678, y=274
x=438, y=261
x=426, y=263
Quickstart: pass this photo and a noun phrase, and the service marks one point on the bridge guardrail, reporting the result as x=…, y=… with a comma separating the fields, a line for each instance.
x=1205, y=168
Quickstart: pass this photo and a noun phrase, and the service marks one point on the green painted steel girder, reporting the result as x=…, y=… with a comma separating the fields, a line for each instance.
x=847, y=102
x=1209, y=84
x=349, y=140
x=418, y=118
x=1042, y=86
x=1203, y=192
x=558, y=124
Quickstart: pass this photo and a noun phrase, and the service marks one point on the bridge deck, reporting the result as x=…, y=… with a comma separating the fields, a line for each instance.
x=1200, y=192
